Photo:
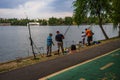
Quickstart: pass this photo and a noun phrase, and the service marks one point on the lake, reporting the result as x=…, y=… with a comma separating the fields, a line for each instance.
x=14, y=40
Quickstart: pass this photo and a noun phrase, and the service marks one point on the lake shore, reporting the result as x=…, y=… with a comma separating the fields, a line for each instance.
x=22, y=62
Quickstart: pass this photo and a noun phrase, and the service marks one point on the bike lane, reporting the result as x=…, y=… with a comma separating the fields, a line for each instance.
x=105, y=67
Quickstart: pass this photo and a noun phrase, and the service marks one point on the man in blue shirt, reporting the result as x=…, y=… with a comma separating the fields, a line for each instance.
x=49, y=45
x=59, y=38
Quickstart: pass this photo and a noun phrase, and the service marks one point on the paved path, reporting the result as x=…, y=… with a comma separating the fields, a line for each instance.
x=42, y=69
x=104, y=67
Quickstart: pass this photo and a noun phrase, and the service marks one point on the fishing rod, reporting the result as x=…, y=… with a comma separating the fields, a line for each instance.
x=90, y=26
x=37, y=49
x=31, y=41
x=30, y=38
x=67, y=30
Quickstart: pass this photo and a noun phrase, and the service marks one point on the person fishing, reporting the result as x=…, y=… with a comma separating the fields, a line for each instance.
x=83, y=35
x=59, y=38
x=49, y=44
x=89, y=35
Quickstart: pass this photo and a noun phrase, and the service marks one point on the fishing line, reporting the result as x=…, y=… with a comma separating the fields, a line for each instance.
x=65, y=34
x=67, y=30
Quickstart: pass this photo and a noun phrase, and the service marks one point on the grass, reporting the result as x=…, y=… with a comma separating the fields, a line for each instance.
x=22, y=62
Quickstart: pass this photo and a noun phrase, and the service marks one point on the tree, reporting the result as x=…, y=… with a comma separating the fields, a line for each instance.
x=93, y=8
x=53, y=21
x=79, y=13
x=44, y=22
x=116, y=14
x=68, y=21
x=60, y=21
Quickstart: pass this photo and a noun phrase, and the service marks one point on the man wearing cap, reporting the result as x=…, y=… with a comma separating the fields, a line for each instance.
x=59, y=38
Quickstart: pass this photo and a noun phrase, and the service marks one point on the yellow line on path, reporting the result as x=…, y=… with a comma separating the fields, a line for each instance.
x=106, y=66
x=51, y=75
x=82, y=79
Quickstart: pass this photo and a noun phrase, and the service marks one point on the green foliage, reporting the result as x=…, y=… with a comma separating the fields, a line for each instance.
x=80, y=11
x=52, y=21
x=92, y=9
x=116, y=12
x=14, y=21
x=60, y=21
x=99, y=9
x=68, y=21
x=43, y=22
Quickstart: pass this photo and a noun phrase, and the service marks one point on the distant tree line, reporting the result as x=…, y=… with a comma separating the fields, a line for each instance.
x=53, y=21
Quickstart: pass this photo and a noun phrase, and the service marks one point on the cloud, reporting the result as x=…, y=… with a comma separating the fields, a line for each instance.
x=39, y=9
x=11, y=3
x=63, y=5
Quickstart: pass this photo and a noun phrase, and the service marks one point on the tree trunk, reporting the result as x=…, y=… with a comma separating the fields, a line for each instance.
x=100, y=24
x=119, y=30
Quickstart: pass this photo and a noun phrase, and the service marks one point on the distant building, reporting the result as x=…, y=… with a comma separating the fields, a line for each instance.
x=33, y=23
x=5, y=24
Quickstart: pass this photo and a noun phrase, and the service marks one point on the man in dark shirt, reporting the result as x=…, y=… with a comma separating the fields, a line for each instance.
x=59, y=38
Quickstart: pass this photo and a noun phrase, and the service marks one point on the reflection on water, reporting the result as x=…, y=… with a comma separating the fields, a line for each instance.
x=14, y=40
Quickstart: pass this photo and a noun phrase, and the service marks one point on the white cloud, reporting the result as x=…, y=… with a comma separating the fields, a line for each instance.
x=33, y=9
x=11, y=13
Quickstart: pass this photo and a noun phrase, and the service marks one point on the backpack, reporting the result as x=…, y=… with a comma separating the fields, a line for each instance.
x=73, y=47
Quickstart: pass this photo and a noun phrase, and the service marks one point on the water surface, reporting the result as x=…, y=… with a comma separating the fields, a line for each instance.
x=14, y=40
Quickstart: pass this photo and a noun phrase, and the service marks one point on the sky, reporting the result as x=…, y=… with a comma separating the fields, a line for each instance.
x=42, y=9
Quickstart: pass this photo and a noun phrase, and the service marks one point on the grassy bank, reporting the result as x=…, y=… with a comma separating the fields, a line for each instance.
x=22, y=62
